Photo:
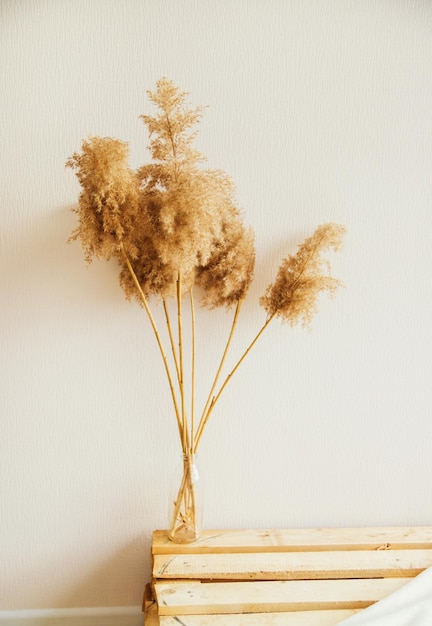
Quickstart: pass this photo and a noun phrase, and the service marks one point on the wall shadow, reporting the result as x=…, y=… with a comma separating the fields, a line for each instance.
x=119, y=580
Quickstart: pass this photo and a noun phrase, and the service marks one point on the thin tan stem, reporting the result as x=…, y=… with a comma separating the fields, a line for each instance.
x=181, y=364
x=158, y=339
x=228, y=378
x=178, y=501
x=219, y=370
x=184, y=517
x=192, y=429
x=171, y=338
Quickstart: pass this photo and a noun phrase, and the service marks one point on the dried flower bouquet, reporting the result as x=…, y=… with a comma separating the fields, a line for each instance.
x=173, y=226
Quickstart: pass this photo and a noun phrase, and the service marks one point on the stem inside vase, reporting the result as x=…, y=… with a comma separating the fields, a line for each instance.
x=186, y=510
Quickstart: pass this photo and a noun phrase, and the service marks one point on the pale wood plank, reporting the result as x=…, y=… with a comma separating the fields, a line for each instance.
x=191, y=597
x=293, y=565
x=282, y=540
x=304, y=618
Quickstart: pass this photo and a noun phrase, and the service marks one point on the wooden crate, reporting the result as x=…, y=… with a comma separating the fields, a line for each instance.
x=280, y=577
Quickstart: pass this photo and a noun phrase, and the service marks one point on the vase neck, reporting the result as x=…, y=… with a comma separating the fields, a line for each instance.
x=189, y=457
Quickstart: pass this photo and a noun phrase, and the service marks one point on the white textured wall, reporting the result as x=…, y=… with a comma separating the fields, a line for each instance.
x=320, y=111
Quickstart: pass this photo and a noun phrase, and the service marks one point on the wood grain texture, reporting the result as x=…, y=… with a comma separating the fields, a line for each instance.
x=191, y=597
x=304, y=618
x=298, y=540
x=282, y=577
x=293, y=565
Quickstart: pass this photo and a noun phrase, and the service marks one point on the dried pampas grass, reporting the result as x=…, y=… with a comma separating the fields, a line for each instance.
x=293, y=295
x=173, y=225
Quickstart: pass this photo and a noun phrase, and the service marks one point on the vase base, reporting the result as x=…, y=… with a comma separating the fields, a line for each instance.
x=184, y=535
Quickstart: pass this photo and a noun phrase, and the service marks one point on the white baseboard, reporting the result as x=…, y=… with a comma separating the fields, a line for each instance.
x=100, y=616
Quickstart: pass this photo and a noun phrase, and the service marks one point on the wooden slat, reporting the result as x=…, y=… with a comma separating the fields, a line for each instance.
x=293, y=565
x=294, y=577
x=151, y=617
x=149, y=608
x=192, y=598
x=304, y=618
x=298, y=540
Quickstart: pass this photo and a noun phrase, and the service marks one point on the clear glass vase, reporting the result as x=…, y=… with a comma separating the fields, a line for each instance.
x=185, y=522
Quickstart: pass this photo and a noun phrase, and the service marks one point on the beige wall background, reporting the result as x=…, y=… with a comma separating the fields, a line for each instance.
x=320, y=111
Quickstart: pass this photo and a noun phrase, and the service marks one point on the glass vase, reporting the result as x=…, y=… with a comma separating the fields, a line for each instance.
x=185, y=522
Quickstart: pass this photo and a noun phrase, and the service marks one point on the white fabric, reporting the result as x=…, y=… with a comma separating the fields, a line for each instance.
x=411, y=605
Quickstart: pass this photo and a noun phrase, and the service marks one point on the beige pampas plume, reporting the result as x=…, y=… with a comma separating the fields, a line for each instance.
x=300, y=278
x=188, y=206
x=108, y=203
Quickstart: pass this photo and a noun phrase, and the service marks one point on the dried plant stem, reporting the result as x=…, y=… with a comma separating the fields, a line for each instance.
x=180, y=498
x=192, y=428
x=184, y=425
x=215, y=398
x=218, y=373
x=183, y=527
x=171, y=337
x=158, y=339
